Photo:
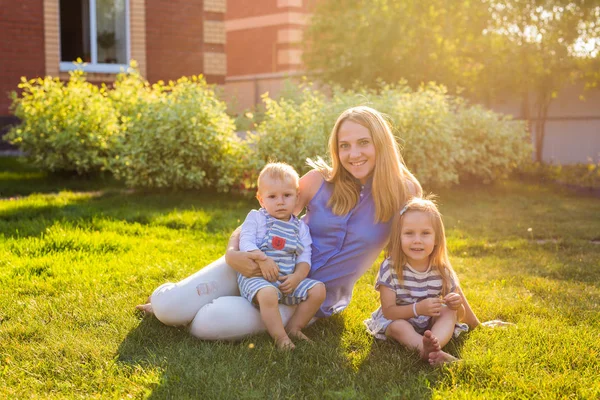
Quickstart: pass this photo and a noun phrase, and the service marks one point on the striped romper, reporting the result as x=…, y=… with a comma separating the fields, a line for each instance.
x=415, y=286
x=282, y=244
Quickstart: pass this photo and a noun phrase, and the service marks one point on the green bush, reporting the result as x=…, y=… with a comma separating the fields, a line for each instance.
x=443, y=140
x=491, y=145
x=65, y=126
x=292, y=130
x=177, y=135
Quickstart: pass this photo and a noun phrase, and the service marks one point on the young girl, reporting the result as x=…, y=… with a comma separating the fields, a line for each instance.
x=275, y=231
x=420, y=298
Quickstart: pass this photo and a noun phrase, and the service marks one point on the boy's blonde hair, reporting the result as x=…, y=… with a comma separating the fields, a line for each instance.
x=439, y=257
x=279, y=171
x=390, y=175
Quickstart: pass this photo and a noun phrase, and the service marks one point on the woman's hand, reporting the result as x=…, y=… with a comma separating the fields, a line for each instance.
x=431, y=307
x=246, y=263
x=268, y=268
x=453, y=301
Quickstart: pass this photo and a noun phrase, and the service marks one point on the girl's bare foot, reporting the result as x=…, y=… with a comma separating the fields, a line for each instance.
x=284, y=343
x=299, y=335
x=430, y=345
x=441, y=357
x=145, y=308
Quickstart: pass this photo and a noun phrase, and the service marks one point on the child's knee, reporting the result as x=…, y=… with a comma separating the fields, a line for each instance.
x=317, y=292
x=267, y=297
x=450, y=313
x=397, y=329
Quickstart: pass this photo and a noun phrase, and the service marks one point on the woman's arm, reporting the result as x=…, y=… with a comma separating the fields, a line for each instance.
x=308, y=187
x=243, y=262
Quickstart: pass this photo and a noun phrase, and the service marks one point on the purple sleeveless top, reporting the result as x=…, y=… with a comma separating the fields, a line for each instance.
x=343, y=246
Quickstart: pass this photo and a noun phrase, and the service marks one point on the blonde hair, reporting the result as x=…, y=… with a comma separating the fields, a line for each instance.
x=438, y=259
x=390, y=176
x=278, y=171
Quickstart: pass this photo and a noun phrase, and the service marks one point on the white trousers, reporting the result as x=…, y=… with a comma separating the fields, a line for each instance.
x=209, y=301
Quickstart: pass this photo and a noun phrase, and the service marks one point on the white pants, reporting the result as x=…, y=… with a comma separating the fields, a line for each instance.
x=209, y=301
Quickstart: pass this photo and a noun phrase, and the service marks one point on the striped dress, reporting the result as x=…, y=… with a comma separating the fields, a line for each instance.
x=282, y=244
x=415, y=286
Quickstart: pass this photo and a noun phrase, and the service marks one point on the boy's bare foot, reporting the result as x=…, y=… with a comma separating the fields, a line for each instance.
x=299, y=335
x=430, y=345
x=284, y=343
x=145, y=308
x=441, y=357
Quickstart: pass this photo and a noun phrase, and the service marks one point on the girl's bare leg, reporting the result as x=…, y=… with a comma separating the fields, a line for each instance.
x=268, y=302
x=305, y=311
x=403, y=332
x=442, y=330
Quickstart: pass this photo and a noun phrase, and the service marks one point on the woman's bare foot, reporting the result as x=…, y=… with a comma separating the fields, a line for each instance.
x=145, y=308
x=284, y=343
x=430, y=345
x=299, y=335
x=441, y=357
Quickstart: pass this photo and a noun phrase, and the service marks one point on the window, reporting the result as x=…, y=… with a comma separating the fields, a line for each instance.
x=97, y=31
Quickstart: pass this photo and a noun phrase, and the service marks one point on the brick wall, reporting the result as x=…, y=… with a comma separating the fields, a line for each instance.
x=21, y=45
x=176, y=45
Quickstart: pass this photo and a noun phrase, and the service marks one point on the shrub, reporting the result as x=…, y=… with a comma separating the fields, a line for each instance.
x=177, y=135
x=292, y=130
x=65, y=127
x=443, y=140
x=491, y=145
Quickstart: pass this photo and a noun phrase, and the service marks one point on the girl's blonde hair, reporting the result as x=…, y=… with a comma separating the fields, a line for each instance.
x=390, y=176
x=438, y=259
x=278, y=171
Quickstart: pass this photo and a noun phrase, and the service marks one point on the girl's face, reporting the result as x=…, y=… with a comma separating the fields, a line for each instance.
x=417, y=238
x=356, y=150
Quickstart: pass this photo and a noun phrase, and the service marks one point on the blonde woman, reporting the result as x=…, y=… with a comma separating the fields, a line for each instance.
x=349, y=208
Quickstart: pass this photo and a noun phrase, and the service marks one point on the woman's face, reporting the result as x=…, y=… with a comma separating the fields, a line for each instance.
x=356, y=150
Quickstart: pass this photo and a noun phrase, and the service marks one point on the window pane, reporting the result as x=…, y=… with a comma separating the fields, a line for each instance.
x=112, y=31
x=74, y=30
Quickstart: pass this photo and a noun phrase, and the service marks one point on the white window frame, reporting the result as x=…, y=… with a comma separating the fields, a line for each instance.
x=94, y=65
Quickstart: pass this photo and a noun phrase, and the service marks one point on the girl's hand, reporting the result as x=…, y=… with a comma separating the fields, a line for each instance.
x=453, y=301
x=431, y=307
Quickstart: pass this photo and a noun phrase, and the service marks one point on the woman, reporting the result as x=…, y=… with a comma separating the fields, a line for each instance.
x=349, y=208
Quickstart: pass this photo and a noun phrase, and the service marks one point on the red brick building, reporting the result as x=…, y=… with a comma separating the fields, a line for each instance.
x=263, y=46
x=167, y=38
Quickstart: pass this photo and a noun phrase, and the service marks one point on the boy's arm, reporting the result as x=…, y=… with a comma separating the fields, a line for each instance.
x=305, y=239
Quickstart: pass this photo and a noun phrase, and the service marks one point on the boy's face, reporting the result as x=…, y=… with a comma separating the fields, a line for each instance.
x=278, y=197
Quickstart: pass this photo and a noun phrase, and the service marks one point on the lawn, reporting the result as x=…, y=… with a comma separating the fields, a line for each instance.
x=77, y=255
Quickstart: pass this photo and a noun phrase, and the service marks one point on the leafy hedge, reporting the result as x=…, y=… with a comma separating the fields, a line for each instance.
x=443, y=139
x=68, y=126
x=174, y=135
x=178, y=135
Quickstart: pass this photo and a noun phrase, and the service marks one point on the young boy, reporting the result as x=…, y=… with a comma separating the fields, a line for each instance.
x=277, y=232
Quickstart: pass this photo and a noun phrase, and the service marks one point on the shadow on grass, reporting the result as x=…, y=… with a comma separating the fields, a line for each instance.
x=253, y=368
x=219, y=212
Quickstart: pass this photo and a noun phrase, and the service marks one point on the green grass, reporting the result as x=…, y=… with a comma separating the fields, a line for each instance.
x=73, y=263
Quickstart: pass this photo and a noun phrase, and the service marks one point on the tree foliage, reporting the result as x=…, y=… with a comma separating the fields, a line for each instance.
x=490, y=48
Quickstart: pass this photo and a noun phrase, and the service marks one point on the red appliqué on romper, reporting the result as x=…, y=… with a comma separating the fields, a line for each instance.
x=278, y=243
